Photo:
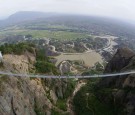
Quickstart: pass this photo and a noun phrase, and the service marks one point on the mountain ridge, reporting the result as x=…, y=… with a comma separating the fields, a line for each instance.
x=23, y=16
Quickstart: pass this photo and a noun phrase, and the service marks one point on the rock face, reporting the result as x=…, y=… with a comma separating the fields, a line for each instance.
x=27, y=96
x=122, y=87
x=50, y=51
x=19, y=63
x=120, y=60
x=123, y=60
x=66, y=67
x=22, y=96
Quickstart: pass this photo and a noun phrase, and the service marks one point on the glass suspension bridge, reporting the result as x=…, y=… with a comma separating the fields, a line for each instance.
x=66, y=76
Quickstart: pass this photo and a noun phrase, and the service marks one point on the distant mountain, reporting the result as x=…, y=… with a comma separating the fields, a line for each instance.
x=90, y=24
x=23, y=16
x=28, y=15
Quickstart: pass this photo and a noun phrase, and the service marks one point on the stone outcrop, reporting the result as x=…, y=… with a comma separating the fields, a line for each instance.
x=50, y=51
x=19, y=63
x=121, y=59
x=27, y=96
x=66, y=67
x=121, y=87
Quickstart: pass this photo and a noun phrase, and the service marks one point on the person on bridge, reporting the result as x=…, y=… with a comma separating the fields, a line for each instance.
x=1, y=58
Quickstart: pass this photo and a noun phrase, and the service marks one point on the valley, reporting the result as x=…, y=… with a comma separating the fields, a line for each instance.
x=89, y=57
x=65, y=45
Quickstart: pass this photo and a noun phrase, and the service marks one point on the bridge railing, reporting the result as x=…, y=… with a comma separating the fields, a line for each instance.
x=64, y=76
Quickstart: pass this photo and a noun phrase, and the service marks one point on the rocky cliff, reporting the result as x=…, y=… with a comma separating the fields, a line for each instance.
x=110, y=95
x=122, y=88
x=28, y=96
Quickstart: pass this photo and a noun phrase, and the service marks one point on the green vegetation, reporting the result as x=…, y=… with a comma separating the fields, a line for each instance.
x=95, y=100
x=61, y=104
x=43, y=65
x=38, y=110
x=60, y=35
x=43, y=25
x=17, y=48
x=98, y=69
x=54, y=112
x=70, y=88
x=3, y=78
x=88, y=103
x=90, y=72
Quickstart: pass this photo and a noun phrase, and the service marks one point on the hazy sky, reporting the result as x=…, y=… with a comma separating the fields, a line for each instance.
x=124, y=9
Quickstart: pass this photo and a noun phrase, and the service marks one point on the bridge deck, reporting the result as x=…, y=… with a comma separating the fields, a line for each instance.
x=75, y=76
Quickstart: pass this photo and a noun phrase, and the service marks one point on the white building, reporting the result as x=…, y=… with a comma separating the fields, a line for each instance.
x=1, y=57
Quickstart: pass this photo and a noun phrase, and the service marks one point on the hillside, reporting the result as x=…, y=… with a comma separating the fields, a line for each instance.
x=107, y=96
x=31, y=96
x=112, y=95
